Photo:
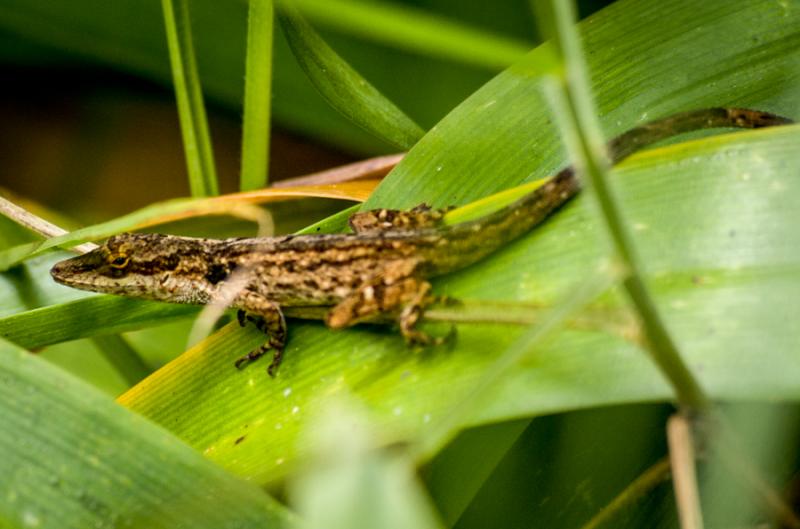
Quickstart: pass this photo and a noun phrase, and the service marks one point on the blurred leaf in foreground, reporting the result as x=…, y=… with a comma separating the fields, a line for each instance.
x=72, y=458
x=349, y=484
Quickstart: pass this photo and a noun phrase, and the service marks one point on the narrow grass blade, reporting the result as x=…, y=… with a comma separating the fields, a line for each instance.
x=414, y=30
x=343, y=87
x=191, y=109
x=257, y=96
x=83, y=318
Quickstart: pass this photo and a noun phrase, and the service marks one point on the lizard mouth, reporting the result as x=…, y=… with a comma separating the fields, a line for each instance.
x=77, y=271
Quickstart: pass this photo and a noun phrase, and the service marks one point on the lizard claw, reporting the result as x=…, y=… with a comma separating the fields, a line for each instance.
x=448, y=301
x=273, y=325
x=277, y=356
x=426, y=340
x=251, y=356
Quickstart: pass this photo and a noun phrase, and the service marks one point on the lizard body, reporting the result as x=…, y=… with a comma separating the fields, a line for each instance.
x=381, y=268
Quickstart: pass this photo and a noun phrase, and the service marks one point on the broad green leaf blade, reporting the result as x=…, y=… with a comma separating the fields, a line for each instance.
x=567, y=467
x=74, y=459
x=343, y=87
x=257, y=95
x=188, y=92
x=572, y=102
x=563, y=309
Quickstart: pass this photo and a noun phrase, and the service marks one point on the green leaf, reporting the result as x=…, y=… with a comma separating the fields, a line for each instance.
x=89, y=316
x=343, y=87
x=457, y=473
x=414, y=30
x=191, y=109
x=257, y=95
x=352, y=485
x=72, y=458
x=580, y=367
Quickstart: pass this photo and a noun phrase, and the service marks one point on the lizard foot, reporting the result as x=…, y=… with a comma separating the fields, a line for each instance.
x=277, y=356
x=415, y=337
x=270, y=321
x=413, y=311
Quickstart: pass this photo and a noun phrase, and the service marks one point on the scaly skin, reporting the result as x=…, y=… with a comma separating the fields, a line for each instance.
x=381, y=268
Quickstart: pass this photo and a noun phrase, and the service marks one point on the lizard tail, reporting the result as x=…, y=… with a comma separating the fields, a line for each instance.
x=520, y=216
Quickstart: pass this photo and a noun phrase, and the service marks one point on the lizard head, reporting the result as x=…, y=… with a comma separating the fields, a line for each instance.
x=150, y=266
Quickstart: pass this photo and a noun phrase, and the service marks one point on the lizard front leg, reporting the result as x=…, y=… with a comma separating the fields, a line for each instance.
x=268, y=318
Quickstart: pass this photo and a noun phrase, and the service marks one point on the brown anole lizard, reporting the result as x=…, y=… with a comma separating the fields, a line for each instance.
x=380, y=269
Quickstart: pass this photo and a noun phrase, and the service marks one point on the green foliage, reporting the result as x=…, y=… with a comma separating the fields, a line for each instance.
x=344, y=88
x=414, y=30
x=713, y=220
x=191, y=107
x=350, y=485
x=74, y=458
x=257, y=96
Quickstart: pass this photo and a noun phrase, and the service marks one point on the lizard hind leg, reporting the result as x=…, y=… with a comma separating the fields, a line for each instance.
x=406, y=297
x=411, y=313
x=268, y=318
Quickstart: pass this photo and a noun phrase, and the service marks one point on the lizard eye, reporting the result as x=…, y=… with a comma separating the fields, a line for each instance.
x=119, y=261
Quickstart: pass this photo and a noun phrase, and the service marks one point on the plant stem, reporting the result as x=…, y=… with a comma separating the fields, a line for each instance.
x=684, y=477
x=647, y=481
x=588, y=146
